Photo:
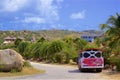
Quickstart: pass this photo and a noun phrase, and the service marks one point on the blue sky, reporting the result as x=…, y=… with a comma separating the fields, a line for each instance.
x=77, y=15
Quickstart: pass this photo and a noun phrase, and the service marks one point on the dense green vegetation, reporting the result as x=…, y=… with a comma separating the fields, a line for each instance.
x=51, y=51
x=57, y=46
x=56, y=51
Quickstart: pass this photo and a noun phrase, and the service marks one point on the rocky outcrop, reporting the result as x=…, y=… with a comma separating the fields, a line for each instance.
x=10, y=59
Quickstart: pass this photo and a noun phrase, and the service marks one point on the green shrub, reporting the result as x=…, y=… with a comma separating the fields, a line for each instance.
x=1, y=67
x=115, y=60
x=17, y=42
x=59, y=57
x=14, y=70
x=91, y=46
x=43, y=50
x=37, y=50
x=27, y=64
x=22, y=46
x=80, y=43
x=55, y=46
x=8, y=46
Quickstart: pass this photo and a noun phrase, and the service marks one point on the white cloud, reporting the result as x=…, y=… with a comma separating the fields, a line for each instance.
x=37, y=20
x=79, y=15
x=37, y=11
x=49, y=9
x=13, y=5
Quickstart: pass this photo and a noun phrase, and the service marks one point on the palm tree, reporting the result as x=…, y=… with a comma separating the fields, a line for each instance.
x=112, y=33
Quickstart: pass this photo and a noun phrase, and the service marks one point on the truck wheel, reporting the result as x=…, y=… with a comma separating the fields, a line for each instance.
x=98, y=70
x=81, y=70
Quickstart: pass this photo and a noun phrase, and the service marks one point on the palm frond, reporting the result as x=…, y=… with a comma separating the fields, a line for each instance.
x=117, y=23
x=117, y=14
x=112, y=31
x=112, y=20
x=103, y=26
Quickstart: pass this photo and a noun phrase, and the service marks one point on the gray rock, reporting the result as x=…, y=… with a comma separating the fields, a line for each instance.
x=10, y=59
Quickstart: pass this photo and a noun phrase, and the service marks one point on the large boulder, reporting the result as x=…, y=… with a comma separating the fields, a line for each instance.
x=10, y=59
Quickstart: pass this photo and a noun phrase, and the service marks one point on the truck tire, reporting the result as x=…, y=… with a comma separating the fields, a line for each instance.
x=99, y=70
x=81, y=70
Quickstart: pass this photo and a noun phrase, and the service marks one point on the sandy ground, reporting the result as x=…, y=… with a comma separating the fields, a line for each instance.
x=64, y=72
x=112, y=74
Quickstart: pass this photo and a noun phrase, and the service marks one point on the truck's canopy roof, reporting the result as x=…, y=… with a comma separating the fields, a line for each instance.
x=89, y=49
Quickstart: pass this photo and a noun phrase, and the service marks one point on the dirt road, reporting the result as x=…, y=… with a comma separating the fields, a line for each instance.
x=58, y=72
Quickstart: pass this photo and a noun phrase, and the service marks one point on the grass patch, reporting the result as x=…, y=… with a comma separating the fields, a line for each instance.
x=25, y=71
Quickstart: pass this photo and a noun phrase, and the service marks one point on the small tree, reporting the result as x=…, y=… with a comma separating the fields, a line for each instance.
x=17, y=42
x=44, y=50
x=22, y=46
x=36, y=50
x=55, y=47
x=28, y=53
